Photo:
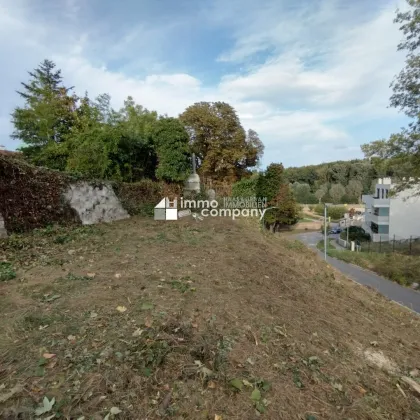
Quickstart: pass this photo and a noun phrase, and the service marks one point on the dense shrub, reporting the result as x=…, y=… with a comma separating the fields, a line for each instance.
x=335, y=212
x=32, y=197
x=245, y=187
x=356, y=233
x=141, y=197
x=6, y=271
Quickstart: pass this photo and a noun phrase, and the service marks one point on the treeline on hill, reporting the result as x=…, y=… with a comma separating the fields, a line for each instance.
x=63, y=131
x=336, y=182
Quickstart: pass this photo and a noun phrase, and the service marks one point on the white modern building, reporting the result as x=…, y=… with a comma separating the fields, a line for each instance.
x=388, y=214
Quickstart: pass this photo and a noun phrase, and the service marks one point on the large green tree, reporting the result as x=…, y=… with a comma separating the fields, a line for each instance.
x=337, y=192
x=400, y=154
x=223, y=148
x=354, y=190
x=47, y=115
x=303, y=194
x=172, y=148
x=273, y=186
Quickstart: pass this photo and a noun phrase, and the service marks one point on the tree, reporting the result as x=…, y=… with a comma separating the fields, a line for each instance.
x=336, y=192
x=354, y=189
x=302, y=193
x=285, y=211
x=406, y=85
x=254, y=148
x=272, y=185
x=269, y=182
x=91, y=144
x=217, y=137
x=246, y=187
x=400, y=154
x=48, y=113
x=321, y=192
x=172, y=148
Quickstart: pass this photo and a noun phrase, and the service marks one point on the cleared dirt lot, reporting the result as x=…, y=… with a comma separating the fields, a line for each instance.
x=146, y=320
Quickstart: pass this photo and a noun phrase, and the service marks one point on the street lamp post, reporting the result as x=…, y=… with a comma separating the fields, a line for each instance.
x=325, y=230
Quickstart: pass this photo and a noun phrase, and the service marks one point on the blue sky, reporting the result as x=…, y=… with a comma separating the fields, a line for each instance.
x=311, y=77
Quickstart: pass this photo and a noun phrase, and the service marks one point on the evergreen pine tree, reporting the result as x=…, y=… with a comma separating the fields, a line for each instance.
x=47, y=115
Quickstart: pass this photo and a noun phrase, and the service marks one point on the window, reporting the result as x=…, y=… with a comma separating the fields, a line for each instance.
x=376, y=211
x=382, y=193
x=383, y=229
x=386, y=193
x=377, y=193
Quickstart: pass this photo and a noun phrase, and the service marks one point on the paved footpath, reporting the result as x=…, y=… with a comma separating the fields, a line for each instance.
x=402, y=295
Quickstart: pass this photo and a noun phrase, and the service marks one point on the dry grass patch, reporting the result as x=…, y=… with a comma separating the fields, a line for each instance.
x=148, y=320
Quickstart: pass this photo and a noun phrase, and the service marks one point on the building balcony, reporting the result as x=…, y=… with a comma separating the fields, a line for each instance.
x=371, y=201
x=379, y=220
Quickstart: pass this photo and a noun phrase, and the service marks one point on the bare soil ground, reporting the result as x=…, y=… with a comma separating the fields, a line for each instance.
x=185, y=320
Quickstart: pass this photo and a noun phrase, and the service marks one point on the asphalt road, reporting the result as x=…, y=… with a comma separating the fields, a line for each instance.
x=402, y=295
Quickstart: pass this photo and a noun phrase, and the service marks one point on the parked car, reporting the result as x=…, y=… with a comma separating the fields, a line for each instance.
x=334, y=231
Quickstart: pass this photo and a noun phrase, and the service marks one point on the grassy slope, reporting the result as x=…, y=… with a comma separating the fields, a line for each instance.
x=200, y=304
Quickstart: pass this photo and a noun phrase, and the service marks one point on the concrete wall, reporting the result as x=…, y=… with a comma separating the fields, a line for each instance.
x=404, y=215
x=95, y=204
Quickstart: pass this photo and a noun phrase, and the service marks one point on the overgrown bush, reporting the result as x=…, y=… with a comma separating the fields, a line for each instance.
x=6, y=271
x=356, y=233
x=245, y=187
x=32, y=197
x=141, y=197
x=335, y=212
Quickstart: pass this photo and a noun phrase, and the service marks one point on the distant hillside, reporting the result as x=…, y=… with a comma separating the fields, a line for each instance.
x=325, y=175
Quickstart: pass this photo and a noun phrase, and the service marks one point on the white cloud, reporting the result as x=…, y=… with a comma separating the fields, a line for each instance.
x=310, y=72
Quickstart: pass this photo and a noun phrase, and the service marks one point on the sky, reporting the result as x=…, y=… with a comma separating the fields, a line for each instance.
x=310, y=76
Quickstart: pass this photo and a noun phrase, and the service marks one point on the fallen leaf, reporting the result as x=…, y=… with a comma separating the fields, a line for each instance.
x=93, y=314
x=148, y=322
x=52, y=364
x=115, y=410
x=249, y=360
x=361, y=390
x=247, y=383
x=121, y=309
x=137, y=333
x=217, y=417
x=117, y=275
x=71, y=338
x=337, y=386
x=48, y=355
x=194, y=324
x=47, y=405
x=256, y=395
x=146, y=306
x=236, y=383
x=211, y=385
x=91, y=275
